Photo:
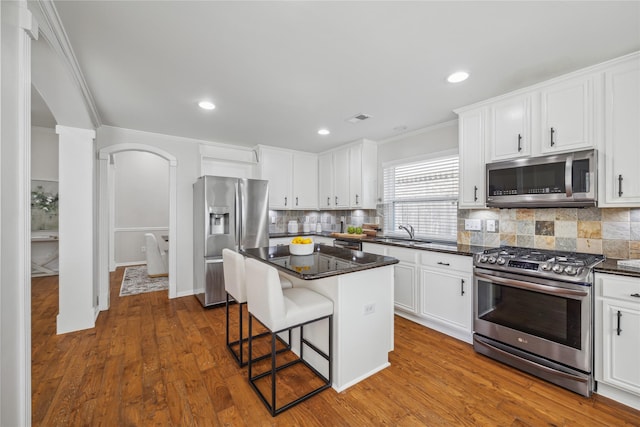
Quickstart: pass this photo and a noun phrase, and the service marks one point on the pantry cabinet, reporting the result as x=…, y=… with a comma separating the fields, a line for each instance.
x=617, y=338
x=622, y=135
x=566, y=119
x=472, y=168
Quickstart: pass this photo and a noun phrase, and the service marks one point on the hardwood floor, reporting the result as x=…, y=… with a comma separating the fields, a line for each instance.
x=154, y=361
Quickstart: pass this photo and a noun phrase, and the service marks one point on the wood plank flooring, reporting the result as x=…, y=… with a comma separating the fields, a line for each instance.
x=155, y=361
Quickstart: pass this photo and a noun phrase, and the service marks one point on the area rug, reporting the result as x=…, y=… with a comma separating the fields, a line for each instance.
x=135, y=281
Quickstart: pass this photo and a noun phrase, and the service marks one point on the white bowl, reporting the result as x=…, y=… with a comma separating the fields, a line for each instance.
x=301, y=248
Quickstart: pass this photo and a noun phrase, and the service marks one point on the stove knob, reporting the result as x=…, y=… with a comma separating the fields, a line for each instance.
x=558, y=268
x=546, y=266
x=570, y=270
x=492, y=260
x=501, y=260
x=483, y=258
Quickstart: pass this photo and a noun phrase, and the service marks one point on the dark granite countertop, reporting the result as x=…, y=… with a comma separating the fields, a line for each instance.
x=325, y=261
x=444, y=247
x=610, y=265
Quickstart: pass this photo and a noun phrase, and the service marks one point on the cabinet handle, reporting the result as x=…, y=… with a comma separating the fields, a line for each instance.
x=461, y=287
x=618, y=330
x=519, y=142
x=443, y=263
x=357, y=199
x=336, y=200
x=636, y=295
x=328, y=201
x=296, y=200
x=285, y=200
x=475, y=193
x=552, y=141
x=619, y=185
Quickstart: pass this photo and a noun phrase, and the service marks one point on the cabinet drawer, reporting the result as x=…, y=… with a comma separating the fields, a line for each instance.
x=446, y=261
x=623, y=288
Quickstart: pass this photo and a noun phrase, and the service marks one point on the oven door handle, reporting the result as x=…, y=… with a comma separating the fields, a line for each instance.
x=531, y=362
x=533, y=286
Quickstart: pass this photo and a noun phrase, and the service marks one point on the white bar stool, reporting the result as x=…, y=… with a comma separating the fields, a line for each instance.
x=281, y=310
x=235, y=286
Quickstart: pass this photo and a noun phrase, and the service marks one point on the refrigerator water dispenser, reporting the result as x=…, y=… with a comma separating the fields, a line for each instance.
x=219, y=221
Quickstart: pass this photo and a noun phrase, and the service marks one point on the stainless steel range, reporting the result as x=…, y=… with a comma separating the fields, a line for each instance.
x=533, y=310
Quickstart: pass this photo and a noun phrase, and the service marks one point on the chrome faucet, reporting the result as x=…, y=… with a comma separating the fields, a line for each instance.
x=409, y=229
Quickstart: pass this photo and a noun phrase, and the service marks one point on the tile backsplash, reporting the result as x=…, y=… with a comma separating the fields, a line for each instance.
x=329, y=220
x=614, y=232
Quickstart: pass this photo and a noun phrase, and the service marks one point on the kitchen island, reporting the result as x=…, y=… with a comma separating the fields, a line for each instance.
x=361, y=288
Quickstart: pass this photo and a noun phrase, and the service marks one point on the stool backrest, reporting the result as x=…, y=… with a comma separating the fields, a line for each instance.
x=234, y=275
x=265, y=299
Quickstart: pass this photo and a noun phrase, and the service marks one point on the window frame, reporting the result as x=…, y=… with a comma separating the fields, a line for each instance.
x=389, y=213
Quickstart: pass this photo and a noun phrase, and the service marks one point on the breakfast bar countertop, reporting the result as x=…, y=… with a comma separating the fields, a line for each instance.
x=325, y=261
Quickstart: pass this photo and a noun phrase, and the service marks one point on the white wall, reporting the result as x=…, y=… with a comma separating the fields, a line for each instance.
x=141, y=197
x=187, y=154
x=44, y=154
x=434, y=139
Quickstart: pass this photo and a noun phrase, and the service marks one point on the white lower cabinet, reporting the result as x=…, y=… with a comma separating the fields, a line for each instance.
x=445, y=297
x=446, y=293
x=433, y=289
x=405, y=278
x=617, y=338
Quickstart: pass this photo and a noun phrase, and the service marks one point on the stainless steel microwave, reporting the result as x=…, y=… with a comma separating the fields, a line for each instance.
x=558, y=180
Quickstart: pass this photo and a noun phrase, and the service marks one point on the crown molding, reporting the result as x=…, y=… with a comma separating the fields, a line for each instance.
x=427, y=129
x=52, y=30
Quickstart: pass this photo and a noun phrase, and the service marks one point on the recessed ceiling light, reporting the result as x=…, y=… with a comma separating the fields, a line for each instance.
x=323, y=132
x=206, y=105
x=458, y=76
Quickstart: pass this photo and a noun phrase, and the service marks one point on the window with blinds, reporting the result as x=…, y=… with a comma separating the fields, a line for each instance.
x=424, y=195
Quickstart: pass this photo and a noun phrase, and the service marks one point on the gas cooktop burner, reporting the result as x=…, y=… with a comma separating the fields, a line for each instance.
x=571, y=266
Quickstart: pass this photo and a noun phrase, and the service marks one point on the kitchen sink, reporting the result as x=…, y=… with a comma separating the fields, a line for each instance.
x=414, y=243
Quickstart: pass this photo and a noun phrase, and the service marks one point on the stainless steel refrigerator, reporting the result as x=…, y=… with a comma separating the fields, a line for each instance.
x=227, y=213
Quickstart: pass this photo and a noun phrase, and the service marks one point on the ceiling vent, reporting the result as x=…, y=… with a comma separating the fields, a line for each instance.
x=358, y=118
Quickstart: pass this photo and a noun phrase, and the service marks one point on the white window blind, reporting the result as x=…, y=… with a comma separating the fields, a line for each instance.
x=424, y=195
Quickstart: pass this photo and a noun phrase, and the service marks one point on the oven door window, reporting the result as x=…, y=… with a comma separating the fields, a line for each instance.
x=551, y=317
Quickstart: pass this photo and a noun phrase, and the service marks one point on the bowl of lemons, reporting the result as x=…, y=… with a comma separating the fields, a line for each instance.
x=301, y=246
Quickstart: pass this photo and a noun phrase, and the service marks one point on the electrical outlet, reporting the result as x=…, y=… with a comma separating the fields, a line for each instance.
x=143, y=249
x=473, y=225
x=491, y=225
x=273, y=220
x=369, y=308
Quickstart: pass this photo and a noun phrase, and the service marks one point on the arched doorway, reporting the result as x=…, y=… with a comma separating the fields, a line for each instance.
x=105, y=210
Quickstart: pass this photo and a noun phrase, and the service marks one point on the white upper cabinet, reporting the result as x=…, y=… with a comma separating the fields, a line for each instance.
x=348, y=177
x=622, y=135
x=567, y=116
x=472, y=170
x=341, y=178
x=363, y=175
x=275, y=167
x=292, y=176
x=510, y=131
x=325, y=181
x=305, y=181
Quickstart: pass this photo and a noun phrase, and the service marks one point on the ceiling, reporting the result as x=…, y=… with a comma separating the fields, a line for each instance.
x=279, y=71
